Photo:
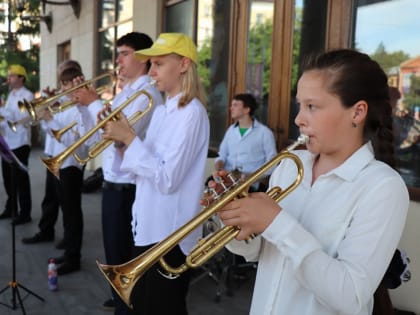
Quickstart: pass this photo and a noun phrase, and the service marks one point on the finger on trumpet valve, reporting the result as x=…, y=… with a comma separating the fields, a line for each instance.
x=220, y=185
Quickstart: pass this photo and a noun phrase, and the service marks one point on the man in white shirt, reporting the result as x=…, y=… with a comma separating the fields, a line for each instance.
x=19, y=142
x=50, y=204
x=119, y=188
x=247, y=144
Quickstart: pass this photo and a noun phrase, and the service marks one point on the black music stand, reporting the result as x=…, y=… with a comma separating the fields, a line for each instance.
x=14, y=285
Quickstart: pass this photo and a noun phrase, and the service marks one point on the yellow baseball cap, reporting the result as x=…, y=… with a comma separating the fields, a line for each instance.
x=17, y=70
x=168, y=43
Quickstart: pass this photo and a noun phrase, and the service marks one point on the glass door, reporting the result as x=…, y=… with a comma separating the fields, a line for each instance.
x=394, y=43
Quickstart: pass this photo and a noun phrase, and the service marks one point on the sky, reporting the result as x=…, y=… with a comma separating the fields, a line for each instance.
x=395, y=23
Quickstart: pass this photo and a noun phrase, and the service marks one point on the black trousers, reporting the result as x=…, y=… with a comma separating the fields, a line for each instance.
x=50, y=205
x=21, y=182
x=70, y=194
x=157, y=295
x=117, y=201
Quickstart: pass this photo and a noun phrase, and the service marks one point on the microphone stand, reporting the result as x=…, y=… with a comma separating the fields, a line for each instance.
x=14, y=285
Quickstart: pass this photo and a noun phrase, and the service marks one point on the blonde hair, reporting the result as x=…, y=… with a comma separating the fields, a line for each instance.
x=192, y=87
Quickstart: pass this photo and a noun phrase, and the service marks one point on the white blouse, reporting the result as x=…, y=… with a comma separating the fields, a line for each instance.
x=169, y=167
x=328, y=249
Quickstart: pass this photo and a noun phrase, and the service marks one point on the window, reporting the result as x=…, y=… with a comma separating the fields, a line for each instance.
x=63, y=53
x=212, y=38
x=389, y=32
x=115, y=19
x=308, y=38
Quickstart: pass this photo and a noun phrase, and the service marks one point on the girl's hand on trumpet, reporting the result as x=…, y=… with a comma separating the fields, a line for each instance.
x=252, y=214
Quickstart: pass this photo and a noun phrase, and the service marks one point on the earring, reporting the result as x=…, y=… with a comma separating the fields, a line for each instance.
x=354, y=125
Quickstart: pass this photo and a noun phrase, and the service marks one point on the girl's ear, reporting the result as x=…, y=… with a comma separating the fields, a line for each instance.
x=360, y=110
x=185, y=64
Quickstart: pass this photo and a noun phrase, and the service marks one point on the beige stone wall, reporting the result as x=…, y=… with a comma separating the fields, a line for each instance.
x=66, y=27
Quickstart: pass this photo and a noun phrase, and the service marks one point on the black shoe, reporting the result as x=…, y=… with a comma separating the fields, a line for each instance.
x=68, y=267
x=58, y=260
x=37, y=238
x=60, y=245
x=5, y=215
x=21, y=220
x=108, y=305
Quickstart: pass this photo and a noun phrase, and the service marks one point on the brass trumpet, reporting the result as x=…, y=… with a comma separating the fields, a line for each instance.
x=49, y=103
x=124, y=277
x=24, y=121
x=58, y=108
x=57, y=134
x=53, y=164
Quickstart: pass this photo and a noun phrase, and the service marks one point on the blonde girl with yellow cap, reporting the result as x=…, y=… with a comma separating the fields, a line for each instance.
x=169, y=167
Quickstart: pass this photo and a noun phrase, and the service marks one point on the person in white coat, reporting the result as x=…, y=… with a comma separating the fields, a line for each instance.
x=119, y=189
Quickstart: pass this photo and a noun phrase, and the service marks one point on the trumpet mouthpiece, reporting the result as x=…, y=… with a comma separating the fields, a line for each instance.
x=302, y=139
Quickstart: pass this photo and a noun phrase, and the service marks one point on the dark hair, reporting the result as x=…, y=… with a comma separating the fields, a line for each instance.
x=69, y=63
x=354, y=76
x=248, y=100
x=69, y=74
x=137, y=41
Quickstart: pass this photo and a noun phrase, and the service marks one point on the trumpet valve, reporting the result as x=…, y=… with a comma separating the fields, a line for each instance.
x=223, y=184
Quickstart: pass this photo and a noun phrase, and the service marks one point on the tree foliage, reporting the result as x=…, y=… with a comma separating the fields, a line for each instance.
x=259, y=55
x=388, y=60
x=10, y=50
x=204, y=60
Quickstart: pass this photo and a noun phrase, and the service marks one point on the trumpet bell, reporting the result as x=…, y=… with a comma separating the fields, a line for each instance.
x=57, y=134
x=121, y=279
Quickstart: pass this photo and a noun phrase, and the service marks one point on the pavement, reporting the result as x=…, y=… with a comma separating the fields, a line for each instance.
x=83, y=292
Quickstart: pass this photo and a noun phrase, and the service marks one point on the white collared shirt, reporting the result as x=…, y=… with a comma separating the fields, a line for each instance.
x=12, y=113
x=169, y=165
x=328, y=249
x=49, y=140
x=111, y=158
x=62, y=120
x=248, y=152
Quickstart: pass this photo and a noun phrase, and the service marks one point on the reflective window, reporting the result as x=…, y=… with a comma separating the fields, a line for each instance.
x=115, y=20
x=179, y=18
x=260, y=30
x=212, y=38
x=308, y=38
x=213, y=49
x=389, y=31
